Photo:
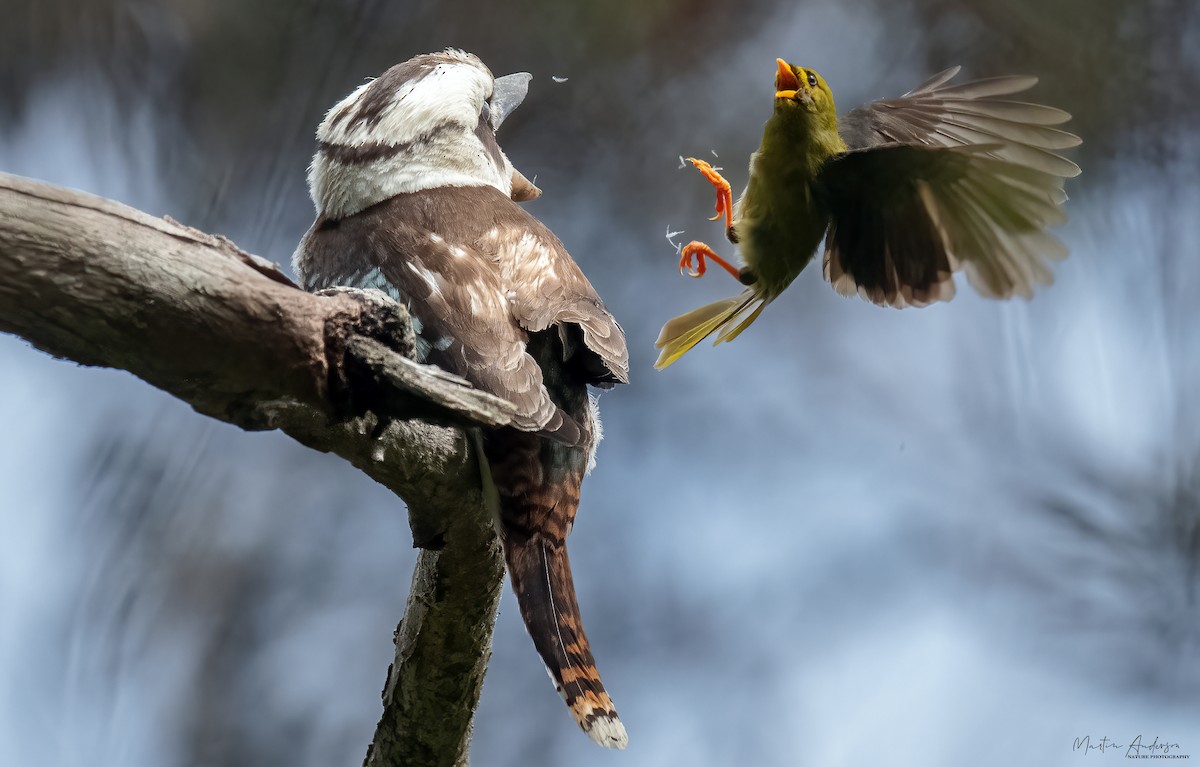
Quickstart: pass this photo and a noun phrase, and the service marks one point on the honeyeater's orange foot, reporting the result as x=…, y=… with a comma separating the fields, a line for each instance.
x=700, y=251
x=724, y=205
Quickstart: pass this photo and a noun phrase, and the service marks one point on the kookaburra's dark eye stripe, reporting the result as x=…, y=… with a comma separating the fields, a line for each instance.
x=487, y=137
x=371, y=151
x=364, y=153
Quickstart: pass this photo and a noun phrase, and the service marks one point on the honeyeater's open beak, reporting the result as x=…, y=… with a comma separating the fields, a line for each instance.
x=786, y=82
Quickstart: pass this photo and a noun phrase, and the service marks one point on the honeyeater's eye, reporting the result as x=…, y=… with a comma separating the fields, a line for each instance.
x=812, y=80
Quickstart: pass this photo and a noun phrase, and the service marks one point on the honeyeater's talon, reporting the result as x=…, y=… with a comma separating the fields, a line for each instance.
x=700, y=252
x=685, y=263
x=724, y=206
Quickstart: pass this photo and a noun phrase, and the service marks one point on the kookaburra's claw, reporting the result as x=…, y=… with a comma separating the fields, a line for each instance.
x=700, y=251
x=724, y=206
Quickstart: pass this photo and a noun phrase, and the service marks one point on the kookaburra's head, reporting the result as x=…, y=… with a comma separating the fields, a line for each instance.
x=427, y=123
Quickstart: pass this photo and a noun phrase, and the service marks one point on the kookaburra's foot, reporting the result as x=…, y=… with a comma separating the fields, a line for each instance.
x=724, y=205
x=700, y=251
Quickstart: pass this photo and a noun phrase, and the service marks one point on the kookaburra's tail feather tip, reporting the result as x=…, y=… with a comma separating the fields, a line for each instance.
x=541, y=576
x=729, y=315
x=607, y=730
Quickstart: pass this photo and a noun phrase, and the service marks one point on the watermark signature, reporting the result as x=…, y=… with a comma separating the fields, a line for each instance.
x=1138, y=748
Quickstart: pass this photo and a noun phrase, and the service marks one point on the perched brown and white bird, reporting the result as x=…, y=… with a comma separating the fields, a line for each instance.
x=415, y=197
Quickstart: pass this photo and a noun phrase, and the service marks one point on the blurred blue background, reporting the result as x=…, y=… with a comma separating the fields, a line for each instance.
x=967, y=534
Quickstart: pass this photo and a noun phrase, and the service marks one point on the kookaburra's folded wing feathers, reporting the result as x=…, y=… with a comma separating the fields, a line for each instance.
x=942, y=178
x=458, y=302
x=546, y=288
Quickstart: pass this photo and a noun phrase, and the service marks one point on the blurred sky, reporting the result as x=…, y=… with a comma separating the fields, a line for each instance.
x=967, y=534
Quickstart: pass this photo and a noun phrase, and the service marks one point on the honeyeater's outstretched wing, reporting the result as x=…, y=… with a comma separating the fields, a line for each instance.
x=938, y=114
x=942, y=178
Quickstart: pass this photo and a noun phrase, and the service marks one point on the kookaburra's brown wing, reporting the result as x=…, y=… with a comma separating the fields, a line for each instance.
x=941, y=178
x=546, y=289
x=474, y=322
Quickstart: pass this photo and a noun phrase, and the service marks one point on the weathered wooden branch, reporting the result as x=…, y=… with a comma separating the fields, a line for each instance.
x=94, y=281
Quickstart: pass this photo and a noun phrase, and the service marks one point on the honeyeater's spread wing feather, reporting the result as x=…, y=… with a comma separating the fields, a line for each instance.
x=904, y=218
x=970, y=113
x=942, y=178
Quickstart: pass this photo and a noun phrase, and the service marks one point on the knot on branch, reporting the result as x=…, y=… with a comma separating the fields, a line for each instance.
x=368, y=351
x=354, y=386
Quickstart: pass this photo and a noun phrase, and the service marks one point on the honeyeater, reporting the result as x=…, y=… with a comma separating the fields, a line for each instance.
x=904, y=191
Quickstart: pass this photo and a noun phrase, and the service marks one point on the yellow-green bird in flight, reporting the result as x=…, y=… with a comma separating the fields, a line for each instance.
x=904, y=191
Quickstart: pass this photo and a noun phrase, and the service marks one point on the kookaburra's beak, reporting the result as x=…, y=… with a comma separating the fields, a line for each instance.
x=523, y=189
x=507, y=94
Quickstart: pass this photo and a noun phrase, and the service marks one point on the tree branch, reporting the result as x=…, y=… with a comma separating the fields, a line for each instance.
x=94, y=281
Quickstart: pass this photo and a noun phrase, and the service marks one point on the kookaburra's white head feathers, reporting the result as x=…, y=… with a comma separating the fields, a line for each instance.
x=426, y=123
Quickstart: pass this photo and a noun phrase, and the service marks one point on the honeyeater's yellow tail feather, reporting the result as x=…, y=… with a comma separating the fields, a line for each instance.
x=747, y=314
x=682, y=333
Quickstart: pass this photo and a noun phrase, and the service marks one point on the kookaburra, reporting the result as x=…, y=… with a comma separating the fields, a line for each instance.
x=415, y=197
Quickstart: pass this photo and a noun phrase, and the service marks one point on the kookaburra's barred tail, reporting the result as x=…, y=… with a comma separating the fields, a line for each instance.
x=541, y=577
x=538, y=482
x=729, y=315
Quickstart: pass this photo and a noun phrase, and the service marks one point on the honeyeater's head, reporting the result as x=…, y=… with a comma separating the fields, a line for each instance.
x=800, y=88
x=426, y=123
